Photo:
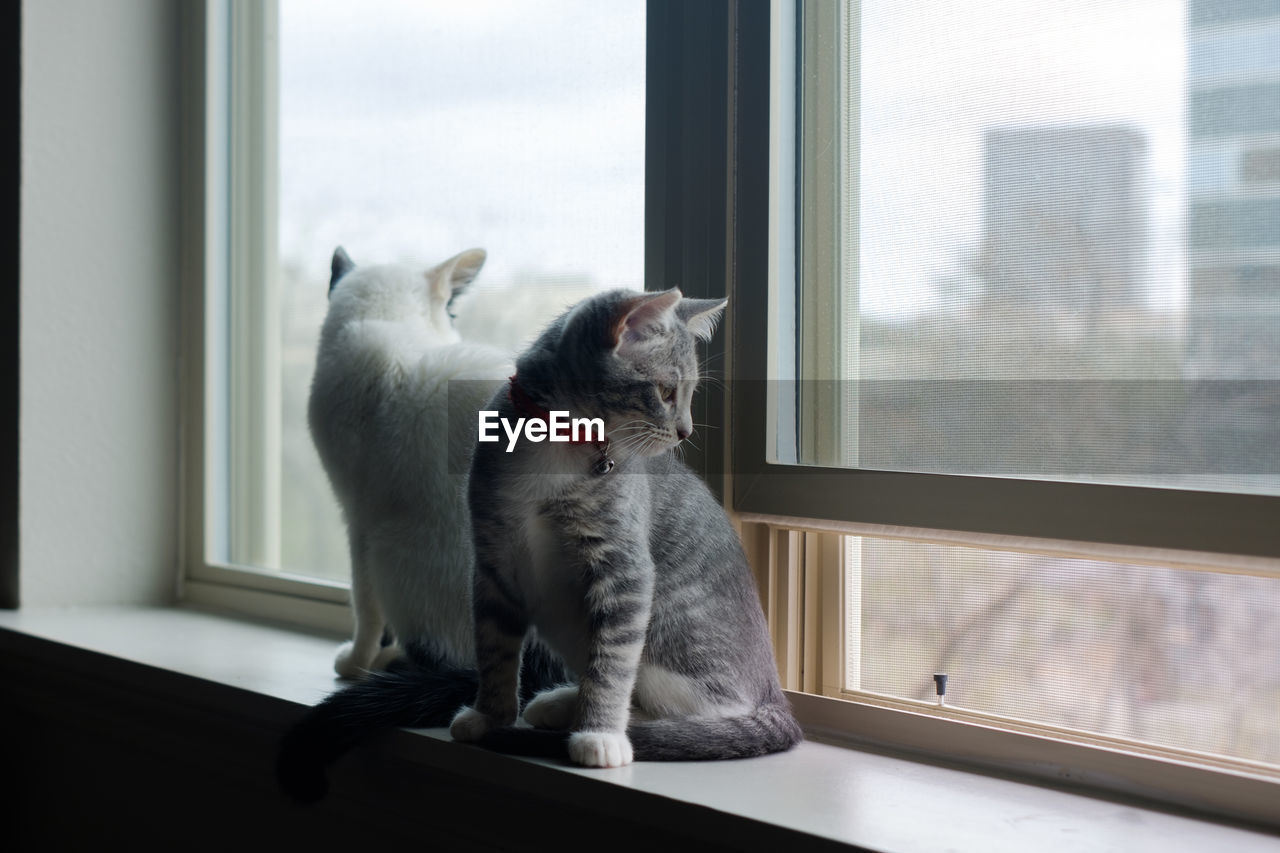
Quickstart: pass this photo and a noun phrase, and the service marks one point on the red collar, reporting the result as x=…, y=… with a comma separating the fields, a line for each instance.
x=526, y=406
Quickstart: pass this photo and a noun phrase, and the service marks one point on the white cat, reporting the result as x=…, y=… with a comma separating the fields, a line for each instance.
x=379, y=416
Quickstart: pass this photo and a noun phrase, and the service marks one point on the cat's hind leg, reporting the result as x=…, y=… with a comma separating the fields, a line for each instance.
x=364, y=651
x=553, y=709
x=387, y=654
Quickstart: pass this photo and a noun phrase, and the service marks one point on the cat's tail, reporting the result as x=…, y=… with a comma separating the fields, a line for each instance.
x=411, y=697
x=766, y=729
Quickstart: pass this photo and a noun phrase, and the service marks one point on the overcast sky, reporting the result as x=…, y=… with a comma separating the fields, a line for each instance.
x=935, y=75
x=411, y=130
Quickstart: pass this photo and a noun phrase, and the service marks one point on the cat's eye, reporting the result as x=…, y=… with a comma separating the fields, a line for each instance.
x=667, y=393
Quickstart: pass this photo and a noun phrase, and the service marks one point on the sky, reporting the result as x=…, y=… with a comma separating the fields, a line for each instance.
x=411, y=130
x=935, y=75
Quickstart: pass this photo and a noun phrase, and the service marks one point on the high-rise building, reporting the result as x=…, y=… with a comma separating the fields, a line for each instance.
x=1064, y=211
x=1233, y=186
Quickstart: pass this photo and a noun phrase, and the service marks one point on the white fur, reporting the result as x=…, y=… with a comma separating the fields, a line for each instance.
x=659, y=692
x=552, y=593
x=552, y=709
x=378, y=413
x=600, y=749
x=348, y=665
x=470, y=725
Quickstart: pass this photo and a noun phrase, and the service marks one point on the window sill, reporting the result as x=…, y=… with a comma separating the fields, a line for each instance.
x=814, y=794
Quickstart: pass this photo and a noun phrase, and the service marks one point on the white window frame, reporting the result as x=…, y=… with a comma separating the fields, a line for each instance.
x=231, y=323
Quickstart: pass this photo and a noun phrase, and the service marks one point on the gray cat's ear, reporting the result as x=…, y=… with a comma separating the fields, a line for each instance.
x=701, y=315
x=640, y=318
x=339, y=266
x=456, y=274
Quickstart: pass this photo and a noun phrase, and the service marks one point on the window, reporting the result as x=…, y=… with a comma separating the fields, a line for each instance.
x=405, y=132
x=409, y=132
x=984, y=415
x=1019, y=339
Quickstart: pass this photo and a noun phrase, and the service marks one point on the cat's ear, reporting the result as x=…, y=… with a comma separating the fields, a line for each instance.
x=701, y=315
x=338, y=267
x=640, y=318
x=456, y=274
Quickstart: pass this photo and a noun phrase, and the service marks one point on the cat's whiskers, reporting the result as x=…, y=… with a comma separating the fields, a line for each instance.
x=634, y=422
x=708, y=379
x=632, y=426
x=633, y=444
x=653, y=440
x=639, y=444
x=707, y=374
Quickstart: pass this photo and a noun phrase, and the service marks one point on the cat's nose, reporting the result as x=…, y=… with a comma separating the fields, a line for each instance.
x=683, y=432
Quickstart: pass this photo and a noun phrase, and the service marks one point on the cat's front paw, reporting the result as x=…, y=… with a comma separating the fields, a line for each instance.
x=552, y=709
x=470, y=725
x=600, y=749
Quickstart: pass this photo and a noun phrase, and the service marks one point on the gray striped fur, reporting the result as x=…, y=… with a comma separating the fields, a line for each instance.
x=636, y=577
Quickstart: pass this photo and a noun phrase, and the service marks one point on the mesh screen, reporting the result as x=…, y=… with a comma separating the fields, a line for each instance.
x=1180, y=658
x=1068, y=234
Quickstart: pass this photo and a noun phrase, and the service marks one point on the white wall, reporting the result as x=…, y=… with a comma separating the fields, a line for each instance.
x=99, y=232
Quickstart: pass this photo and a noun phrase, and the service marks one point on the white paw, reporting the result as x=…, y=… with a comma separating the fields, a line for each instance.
x=385, y=656
x=471, y=725
x=552, y=709
x=348, y=664
x=600, y=749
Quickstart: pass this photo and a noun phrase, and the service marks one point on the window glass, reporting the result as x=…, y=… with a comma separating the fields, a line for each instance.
x=1052, y=251
x=410, y=131
x=1064, y=232
x=1178, y=658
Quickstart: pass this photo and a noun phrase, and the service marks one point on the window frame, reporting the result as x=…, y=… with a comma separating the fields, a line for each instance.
x=791, y=514
x=10, y=311
x=711, y=215
x=222, y=174
x=1077, y=512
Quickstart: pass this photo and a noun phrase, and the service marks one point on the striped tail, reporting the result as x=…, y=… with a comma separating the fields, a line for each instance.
x=769, y=728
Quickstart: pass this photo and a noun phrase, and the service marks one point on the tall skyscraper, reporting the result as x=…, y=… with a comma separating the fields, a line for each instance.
x=1233, y=181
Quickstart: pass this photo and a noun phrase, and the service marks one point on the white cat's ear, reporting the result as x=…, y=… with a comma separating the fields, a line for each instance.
x=339, y=266
x=456, y=274
x=642, y=317
x=701, y=315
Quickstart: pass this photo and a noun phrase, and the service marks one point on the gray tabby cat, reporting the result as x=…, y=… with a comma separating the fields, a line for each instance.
x=616, y=556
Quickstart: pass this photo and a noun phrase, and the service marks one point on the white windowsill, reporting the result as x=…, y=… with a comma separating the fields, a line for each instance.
x=866, y=799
